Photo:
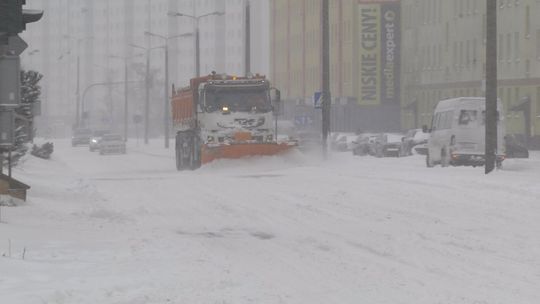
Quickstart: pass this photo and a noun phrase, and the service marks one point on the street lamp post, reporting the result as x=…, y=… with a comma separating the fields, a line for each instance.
x=196, y=32
x=146, y=89
x=125, y=94
x=166, y=107
x=77, y=92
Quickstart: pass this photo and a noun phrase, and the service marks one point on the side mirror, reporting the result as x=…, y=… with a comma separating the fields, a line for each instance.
x=425, y=129
x=275, y=97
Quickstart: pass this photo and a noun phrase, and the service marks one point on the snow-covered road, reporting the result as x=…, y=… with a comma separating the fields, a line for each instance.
x=131, y=229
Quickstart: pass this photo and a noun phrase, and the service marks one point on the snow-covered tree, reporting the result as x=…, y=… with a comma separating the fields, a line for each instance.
x=24, y=116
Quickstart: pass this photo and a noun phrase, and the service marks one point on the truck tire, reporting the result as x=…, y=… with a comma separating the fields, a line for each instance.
x=188, y=151
x=445, y=157
x=179, y=149
x=429, y=162
x=195, y=156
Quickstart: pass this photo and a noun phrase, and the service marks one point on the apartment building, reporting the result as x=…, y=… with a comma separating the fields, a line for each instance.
x=365, y=95
x=104, y=36
x=444, y=56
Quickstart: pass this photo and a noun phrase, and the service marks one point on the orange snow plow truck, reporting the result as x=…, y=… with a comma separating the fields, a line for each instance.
x=221, y=116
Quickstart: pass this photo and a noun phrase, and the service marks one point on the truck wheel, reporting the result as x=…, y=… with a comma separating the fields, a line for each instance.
x=429, y=162
x=445, y=158
x=179, y=154
x=195, y=157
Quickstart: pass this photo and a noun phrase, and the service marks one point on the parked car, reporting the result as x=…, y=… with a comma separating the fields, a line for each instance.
x=309, y=140
x=421, y=149
x=112, y=143
x=342, y=141
x=515, y=148
x=378, y=144
x=362, y=143
x=95, y=139
x=81, y=137
x=413, y=138
x=392, y=145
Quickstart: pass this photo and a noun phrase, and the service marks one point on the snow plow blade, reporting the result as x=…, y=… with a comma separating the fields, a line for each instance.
x=239, y=150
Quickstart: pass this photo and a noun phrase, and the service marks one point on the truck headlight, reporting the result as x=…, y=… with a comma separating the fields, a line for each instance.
x=210, y=139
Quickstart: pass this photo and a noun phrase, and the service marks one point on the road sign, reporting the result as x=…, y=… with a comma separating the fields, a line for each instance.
x=303, y=120
x=6, y=129
x=317, y=100
x=16, y=45
x=10, y=81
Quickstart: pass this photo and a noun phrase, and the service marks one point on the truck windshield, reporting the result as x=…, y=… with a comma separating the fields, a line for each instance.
x=237, y=99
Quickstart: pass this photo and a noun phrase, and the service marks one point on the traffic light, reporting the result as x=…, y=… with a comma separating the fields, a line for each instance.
x=13, y=18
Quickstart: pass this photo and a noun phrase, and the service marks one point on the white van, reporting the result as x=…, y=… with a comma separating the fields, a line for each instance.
x=458, y=133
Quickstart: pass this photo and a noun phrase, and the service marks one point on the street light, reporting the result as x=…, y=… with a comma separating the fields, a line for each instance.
x=197, y=47
x=77, y=93
x=166, y=107
x=146, y=88
x=125, y=93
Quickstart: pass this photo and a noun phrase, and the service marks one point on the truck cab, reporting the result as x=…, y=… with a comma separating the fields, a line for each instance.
x=233, y=111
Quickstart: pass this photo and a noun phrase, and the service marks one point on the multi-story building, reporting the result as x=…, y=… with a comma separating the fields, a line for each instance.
x=444, y=56
x=364, y=60
x=104, y=36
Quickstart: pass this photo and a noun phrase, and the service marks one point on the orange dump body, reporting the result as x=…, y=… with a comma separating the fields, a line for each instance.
x=240, y=150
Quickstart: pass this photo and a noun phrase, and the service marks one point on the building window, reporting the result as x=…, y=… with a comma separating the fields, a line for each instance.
x=508, y=100
x=474, y=55
x=508, y=46
x=538, y=44
x=501, y=47
x=538, y=101
x=461, y=57
x=468, y=52
x=516, y=46
x=527, y=22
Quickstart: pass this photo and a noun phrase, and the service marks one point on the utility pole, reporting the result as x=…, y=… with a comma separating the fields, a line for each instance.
x=78, y=95
x=247, y=64
x=166, y=106
x=147, y=78
x=326, y=96
x=491, y=85
x=147, y=99
x=197, y=49
x=126, y=100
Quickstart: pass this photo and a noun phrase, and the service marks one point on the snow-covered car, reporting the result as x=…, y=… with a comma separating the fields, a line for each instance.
x=392, y=145
x=309, y=140
x=362, y=143
x=95, y=139
x=81, y=137
x=343, y=141
x=515, y=148
x=421, y=149
x=112, y=143
x=413, y=138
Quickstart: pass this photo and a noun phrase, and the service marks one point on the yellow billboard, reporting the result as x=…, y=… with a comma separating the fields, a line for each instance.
x=378, y=52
